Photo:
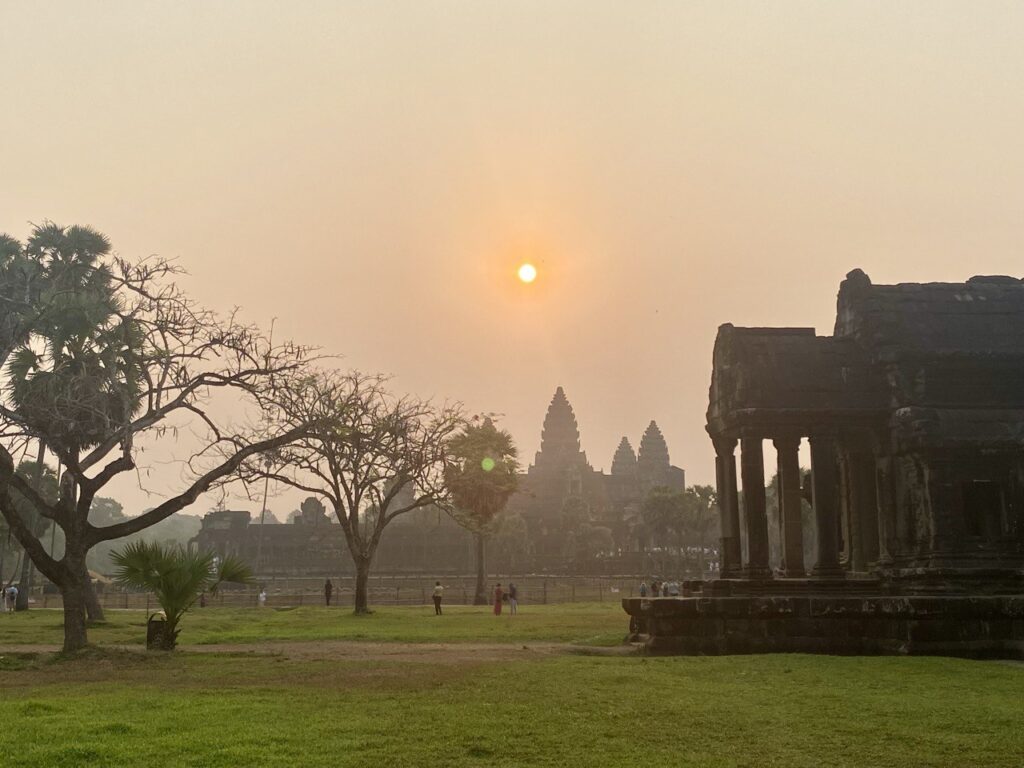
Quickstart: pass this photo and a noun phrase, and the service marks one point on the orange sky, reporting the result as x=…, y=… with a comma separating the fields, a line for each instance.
x=372, y=173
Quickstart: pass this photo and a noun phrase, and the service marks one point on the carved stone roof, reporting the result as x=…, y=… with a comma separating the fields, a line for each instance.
x=929, y=347
x=981, y=317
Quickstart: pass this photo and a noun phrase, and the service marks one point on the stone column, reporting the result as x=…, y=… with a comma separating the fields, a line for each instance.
x=728, y=507
x=824, y=483
x=788, y=448
x=886, y=510
x=752, y=468
x=863, y=510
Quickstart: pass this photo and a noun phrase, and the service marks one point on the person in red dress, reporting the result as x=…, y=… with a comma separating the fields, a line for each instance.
x=497, y=600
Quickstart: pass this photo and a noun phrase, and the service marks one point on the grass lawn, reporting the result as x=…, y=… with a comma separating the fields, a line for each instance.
x=588, y=623
x=131, y=709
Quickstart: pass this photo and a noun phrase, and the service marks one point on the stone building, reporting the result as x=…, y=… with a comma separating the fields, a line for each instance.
x=574, y=517
x=914, y=414
x=313, y=544
x=561, y=477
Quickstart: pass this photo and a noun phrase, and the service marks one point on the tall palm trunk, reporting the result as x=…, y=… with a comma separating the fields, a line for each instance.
x=480, y=595
x=27, y=568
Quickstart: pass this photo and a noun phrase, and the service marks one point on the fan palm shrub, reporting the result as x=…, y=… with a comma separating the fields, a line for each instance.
x=176, y=577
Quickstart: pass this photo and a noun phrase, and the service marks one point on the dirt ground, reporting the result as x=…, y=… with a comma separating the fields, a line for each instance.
x=349, y=650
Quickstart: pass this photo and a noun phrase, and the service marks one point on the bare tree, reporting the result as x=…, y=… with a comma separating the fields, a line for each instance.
x=106, y=355
x=372, y=457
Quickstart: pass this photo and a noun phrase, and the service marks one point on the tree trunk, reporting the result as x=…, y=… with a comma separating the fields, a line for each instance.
x=362, y=585
x=480, y=596
x=75, y=637
x=24, y=584
x=93, y=609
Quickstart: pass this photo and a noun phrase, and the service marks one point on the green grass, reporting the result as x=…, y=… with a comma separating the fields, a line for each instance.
x=588, y=623
x=133, y=709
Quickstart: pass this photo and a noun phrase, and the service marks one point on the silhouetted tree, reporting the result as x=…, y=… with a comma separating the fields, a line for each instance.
x=701, y=520
x=102, y=353
x=512, y=541
x=481, y=478
x=44, y=480
x=372, y=456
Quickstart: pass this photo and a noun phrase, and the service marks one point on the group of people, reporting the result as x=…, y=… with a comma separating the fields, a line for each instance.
x=500, y=596
x=659, y=589
x=10, y=598
x=511, y=595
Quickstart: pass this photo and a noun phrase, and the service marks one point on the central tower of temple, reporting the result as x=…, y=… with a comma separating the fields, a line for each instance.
x=560, y=439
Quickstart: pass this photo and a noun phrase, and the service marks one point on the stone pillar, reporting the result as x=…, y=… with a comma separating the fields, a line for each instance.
x=886, y=510
x=790, y=516
x=752, y=468
x=728, y=507
x=863, y=510
x=824, y=483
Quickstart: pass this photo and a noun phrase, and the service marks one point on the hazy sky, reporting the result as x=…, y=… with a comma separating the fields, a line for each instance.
x=371, y=174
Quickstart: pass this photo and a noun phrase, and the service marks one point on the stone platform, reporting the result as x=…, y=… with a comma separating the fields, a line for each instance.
x=967, y=626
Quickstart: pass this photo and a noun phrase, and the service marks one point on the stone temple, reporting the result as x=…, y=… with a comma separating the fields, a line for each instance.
x=561, y=475
x=914, y=414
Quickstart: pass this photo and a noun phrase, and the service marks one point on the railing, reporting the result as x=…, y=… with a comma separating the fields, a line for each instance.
x=385, y=591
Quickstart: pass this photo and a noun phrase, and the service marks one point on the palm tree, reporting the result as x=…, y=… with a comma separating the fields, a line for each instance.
x=75, y=372
x=176, y=577
x=481, y=480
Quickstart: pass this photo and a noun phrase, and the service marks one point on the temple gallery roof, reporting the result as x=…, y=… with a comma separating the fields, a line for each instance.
x=922, y=346
x=983, y=316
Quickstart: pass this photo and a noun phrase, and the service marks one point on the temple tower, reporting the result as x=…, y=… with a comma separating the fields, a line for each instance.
x=652, y=462
x=624, y=461
x=560, y=438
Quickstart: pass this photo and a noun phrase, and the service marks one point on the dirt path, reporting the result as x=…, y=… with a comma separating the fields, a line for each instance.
x=350, y=650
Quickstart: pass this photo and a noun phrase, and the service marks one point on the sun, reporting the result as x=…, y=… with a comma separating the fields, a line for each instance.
x=527, y=273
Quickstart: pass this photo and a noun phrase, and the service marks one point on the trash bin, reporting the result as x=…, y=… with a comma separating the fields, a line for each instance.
x=155, y=631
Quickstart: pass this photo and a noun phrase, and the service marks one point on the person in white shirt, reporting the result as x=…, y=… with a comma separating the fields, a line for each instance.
x=438, y=595
x=10, y=598
x=262, y=597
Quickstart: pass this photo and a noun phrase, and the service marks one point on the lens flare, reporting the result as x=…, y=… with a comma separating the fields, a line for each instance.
x=527, y=273
x=487, y=464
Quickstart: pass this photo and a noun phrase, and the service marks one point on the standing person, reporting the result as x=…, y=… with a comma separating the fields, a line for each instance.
x=261, y=598
x=643, y=588
x=513, y=602
x=664, y=589
x=655, y=589
x=498, y=594
x=328, y=590
x=11, y=597
x=438, y=594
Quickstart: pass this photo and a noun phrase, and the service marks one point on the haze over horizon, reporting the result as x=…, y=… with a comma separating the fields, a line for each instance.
x=372, y=175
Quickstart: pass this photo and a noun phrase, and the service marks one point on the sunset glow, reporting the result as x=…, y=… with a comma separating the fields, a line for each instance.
x=527, y=273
